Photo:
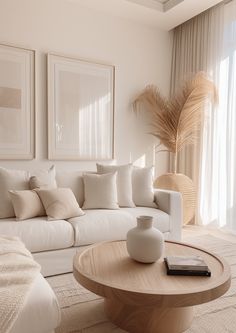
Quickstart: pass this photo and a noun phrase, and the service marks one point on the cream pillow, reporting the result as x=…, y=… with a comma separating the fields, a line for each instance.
x=142, y=184
x=11, y=180
x=59, y=203
x=100, y=191
x=45, y=179
x=124, y=182
x=26, y=204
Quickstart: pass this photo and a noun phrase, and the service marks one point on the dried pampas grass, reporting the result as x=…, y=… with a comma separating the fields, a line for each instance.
x=176, y=122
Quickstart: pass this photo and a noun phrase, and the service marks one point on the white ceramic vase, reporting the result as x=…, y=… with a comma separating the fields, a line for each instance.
x=144, y=242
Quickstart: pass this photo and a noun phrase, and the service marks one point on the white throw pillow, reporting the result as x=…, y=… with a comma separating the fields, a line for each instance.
x=11, y=180
x=44, y=179
x=73, y=180
x=124, y=182
x=27, y=204
x=142, y=184
x=100, y=191
x=59, y=203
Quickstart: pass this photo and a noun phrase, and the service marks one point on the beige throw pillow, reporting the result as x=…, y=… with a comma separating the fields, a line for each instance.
x=142, y=184
x=45, y=179
x=124, y=182
x=60, y=203
x=100, y=191
x=26, y=204
x=11, y=180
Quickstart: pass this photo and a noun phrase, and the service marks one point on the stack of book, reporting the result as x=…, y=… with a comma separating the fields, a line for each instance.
x=186, y=265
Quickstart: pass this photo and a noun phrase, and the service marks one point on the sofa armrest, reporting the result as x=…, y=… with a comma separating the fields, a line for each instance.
x=170, y=202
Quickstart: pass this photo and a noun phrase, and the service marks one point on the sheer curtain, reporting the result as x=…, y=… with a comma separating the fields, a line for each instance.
x=218, y=171
x=208, y=42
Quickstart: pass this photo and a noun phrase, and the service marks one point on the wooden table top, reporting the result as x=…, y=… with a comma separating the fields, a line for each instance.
x=107, y=270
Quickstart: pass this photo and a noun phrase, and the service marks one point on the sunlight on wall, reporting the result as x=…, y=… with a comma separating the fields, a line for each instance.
x=88, y=130
x=94, y=129
x=141, y=161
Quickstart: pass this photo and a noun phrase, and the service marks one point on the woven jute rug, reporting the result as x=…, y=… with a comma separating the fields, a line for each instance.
x=82, y=311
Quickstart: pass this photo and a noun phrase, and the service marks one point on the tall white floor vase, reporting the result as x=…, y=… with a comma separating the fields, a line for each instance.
x=144, y=242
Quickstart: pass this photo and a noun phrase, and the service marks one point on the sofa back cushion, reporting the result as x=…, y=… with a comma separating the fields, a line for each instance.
x=44, y=179
x=11, y=180
x=100, y=191
x=142, y=186
x=73, y=180
x=124, y=182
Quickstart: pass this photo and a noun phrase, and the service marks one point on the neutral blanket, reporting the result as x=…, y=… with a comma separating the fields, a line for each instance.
x=17, y=273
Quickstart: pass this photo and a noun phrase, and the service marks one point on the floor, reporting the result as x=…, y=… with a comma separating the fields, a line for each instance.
x=194, y=230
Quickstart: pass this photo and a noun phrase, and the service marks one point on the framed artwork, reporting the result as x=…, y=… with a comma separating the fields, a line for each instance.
x=17, y=102
x=80, y=109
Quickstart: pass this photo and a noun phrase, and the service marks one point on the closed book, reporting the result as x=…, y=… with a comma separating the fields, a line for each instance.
x=186, y=263
x=187, y=272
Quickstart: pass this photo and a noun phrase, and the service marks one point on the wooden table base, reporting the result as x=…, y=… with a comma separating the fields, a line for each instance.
x=139, y=319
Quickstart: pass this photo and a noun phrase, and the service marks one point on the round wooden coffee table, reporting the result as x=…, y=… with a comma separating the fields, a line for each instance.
x=142, y=297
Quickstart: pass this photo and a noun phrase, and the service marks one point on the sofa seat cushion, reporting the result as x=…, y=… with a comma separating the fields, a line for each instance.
x=39, y=234
x=41, y=312
x=105, y=225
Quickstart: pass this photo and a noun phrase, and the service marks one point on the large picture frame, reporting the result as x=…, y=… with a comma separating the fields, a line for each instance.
x=80, y=109
x=17, y=103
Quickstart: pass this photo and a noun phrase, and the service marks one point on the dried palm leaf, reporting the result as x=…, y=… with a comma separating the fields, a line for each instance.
x=176, y=122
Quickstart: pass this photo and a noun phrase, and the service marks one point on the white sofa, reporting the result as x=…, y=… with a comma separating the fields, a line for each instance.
x=53, y=243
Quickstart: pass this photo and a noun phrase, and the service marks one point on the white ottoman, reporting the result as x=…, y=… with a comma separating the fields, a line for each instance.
x=41, y=313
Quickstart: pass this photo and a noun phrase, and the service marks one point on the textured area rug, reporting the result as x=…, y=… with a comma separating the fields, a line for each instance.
x=82, y=311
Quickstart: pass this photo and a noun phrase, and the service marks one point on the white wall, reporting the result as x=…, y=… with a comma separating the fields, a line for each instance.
x=141, y=56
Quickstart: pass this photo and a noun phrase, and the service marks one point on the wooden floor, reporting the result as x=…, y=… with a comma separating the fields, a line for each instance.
x=192, y=230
